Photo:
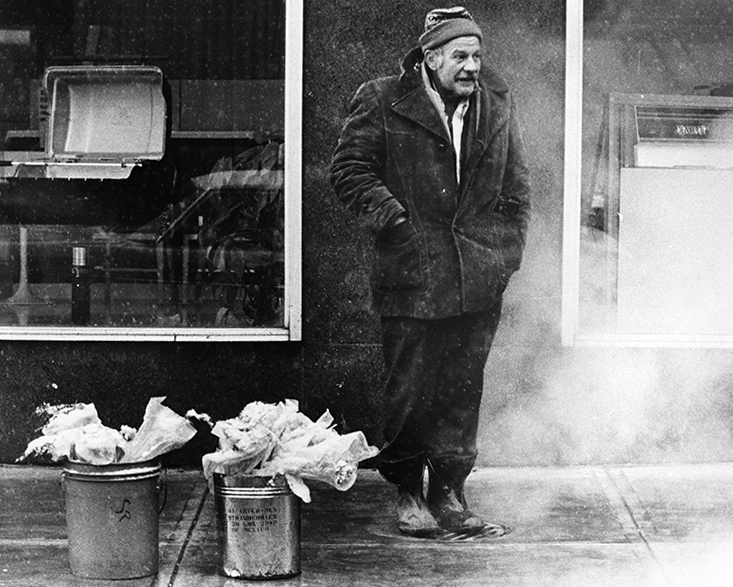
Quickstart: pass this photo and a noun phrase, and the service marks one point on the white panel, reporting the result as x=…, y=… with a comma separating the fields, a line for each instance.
x=688, y=154
x=676, y=252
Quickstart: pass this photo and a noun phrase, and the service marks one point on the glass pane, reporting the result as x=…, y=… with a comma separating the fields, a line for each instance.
x=657, y=169
x=142, y=173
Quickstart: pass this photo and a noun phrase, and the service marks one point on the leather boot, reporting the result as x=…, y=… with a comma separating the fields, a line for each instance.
x=446, y=499
x=413, y=516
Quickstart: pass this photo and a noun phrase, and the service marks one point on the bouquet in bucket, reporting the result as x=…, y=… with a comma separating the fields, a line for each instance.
x=75, y=432
x=277, y=439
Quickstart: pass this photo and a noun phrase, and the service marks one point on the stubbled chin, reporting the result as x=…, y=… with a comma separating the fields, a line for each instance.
x=465, y=88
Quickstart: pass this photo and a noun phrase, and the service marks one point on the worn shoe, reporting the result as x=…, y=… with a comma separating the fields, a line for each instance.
x=451, y=512
x=413, y=516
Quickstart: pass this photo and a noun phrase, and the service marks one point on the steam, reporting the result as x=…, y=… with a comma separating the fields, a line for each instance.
x=620, y=405
x=548, y=405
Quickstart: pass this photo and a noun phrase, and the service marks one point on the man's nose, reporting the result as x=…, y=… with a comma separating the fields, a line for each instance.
x=472, y=64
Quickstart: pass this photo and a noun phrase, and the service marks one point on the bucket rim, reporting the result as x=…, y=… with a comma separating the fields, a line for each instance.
x=277, y=481
x=151, y=466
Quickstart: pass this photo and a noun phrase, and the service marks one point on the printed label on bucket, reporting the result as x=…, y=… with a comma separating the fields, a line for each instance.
x=252, y=519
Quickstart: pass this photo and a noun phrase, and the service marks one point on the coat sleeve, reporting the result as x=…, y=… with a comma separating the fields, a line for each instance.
x=516, y=189
x=359, y=162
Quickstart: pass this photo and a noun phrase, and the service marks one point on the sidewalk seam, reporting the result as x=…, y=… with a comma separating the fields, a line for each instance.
x=187, y=539
x=637, y=525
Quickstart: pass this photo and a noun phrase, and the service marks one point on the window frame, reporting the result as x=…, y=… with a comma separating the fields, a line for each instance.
x=570, y=309
x=292, y=302
x=572, y=212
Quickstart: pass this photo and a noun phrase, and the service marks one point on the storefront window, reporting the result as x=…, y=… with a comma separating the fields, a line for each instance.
x=649, y=173
x=150, y=170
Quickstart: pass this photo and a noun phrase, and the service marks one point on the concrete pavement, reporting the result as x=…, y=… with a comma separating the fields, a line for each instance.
x=620, y=526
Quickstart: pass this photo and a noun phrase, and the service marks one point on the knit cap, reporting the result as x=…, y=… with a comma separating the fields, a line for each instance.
x=445, y=24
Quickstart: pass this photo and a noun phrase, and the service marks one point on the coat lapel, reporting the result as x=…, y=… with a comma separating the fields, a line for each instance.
x=494, y=112
x=417, y=106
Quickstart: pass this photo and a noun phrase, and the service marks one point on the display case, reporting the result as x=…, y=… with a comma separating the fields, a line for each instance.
x=101, y=121
x=656, y=252
x=119, y=228
x=137, y=204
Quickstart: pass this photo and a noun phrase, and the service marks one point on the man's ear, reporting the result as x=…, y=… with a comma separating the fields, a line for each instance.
x=432, y=59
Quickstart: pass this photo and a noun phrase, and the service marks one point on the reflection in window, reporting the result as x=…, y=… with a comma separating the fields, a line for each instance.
x=239, y=233
x=142, y=172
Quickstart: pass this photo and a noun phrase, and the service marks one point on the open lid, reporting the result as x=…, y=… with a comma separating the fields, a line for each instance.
x=105, y=114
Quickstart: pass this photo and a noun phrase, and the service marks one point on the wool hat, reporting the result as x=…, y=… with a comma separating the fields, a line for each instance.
x=445, y=24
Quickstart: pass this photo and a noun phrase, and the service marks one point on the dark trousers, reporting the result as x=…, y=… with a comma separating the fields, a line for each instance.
x=435, y=373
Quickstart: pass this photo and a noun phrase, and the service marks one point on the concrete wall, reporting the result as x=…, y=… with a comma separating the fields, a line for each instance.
x=544, y=404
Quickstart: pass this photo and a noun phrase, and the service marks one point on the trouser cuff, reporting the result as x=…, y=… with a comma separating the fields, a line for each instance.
x=404, y=472
x=452, y=469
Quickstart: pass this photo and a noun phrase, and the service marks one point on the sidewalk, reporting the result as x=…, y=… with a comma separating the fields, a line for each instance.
x=666, y=526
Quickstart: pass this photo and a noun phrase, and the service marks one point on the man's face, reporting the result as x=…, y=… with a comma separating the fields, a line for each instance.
x=456, y=65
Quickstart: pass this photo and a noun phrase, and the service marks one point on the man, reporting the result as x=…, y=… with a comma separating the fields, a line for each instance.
x=433, y=163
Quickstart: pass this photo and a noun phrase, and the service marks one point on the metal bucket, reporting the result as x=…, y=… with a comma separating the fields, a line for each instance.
x=112, y=519
x=259, y=527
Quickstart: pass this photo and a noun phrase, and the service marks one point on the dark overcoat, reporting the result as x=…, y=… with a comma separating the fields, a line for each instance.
x=395, y=156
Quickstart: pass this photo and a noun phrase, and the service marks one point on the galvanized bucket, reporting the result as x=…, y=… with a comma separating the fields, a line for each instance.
x=259, y=527
x=112, y=519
